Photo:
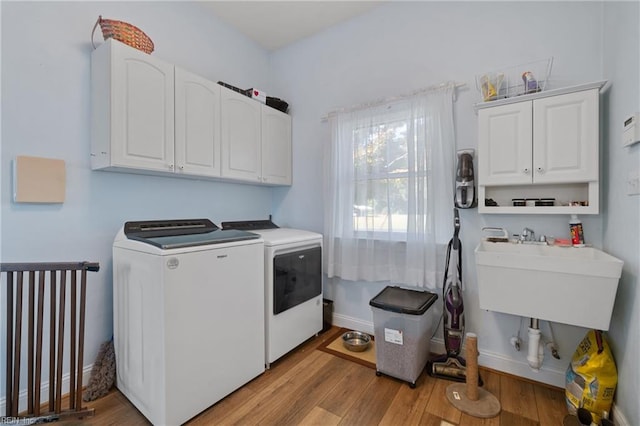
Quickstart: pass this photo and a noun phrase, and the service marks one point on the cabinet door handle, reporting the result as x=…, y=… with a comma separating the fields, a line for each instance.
x=540, y=170
x=181, y=167
x=526, y=170
x=170, y=166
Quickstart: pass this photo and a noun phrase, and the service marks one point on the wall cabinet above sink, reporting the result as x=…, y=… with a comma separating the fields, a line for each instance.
x=543, y=145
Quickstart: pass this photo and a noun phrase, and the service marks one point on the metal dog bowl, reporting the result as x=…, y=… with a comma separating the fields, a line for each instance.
x=356, y=341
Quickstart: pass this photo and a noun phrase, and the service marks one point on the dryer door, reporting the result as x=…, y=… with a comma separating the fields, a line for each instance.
x=297, y=277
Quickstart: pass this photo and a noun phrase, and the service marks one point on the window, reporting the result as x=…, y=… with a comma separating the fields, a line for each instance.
x=388, y=184
x=381, y=176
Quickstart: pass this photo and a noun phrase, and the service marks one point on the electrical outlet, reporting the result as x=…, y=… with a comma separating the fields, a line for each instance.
x=633, y=183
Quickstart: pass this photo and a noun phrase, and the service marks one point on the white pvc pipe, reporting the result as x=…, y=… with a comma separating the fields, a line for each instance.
x=536, y=351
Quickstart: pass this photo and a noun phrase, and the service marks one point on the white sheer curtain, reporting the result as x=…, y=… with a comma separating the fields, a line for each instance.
x=389, y=185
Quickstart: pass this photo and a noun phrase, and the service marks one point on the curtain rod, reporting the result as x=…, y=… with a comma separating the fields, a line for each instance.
x=393, y=98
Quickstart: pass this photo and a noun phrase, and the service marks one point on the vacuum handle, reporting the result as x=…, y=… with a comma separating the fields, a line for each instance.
x=456, y=229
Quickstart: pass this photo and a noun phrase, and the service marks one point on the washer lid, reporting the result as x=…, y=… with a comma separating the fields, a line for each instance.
x=171, y=234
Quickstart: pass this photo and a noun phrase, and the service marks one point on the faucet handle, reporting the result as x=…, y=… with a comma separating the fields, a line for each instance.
x=527, y=234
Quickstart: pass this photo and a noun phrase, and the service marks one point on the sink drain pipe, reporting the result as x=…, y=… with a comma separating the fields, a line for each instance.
x=535, y=354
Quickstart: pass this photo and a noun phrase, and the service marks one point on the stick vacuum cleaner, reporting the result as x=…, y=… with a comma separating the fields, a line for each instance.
x=451, y=365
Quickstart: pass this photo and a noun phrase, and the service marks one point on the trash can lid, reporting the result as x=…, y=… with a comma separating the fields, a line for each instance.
x=403, y=300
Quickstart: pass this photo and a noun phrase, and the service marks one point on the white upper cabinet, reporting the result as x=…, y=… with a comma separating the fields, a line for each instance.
x=543, y=145
x=241, y=136
x=132, y=109
x=197, y=121
x=276, y=147
x=256, y=140
x=548, y=140
x=565, y=138
x=152, y=117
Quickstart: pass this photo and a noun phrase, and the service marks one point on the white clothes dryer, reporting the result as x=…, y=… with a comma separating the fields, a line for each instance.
x=293, y=285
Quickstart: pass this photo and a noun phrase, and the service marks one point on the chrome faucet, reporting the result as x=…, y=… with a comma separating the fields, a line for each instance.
x=527, y=234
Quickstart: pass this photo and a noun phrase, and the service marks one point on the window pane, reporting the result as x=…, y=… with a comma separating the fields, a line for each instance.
x=381, y=170
x=381, y=205
x=381, y=149
x=397, y=149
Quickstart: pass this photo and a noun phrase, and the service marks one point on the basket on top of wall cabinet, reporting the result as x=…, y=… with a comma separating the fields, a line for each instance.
x=123, y=32
x=514, y=81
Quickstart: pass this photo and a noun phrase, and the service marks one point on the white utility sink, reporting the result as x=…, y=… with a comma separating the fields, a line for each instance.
x=567, y=285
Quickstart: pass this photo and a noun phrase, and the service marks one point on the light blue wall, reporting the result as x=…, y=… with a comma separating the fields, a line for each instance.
x=402, y=46
x=621, y=61
x=46, y=52
x=394, y=49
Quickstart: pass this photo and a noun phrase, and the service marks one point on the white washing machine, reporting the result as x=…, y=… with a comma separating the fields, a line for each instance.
x=188, y=304
x=293, y=285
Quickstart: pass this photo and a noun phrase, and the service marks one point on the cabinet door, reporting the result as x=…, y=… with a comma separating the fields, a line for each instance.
x=276, y=147
x=141, y=110
x=565, y=138
x=197, y=121
x=241, y=136
x=504, y=144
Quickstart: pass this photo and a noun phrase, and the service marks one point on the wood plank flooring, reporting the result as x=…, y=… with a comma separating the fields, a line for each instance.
x=311, y=387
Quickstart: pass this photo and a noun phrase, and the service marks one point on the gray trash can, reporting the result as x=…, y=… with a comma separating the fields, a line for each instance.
x=403, y=326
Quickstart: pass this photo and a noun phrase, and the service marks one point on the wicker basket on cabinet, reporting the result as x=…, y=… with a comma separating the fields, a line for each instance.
x=123, y=32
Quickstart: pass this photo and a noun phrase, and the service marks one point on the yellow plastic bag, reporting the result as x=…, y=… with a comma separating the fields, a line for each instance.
x=592, y=376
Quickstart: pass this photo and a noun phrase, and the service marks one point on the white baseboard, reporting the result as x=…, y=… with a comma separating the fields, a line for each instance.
x=618, y=417
x=44, y=390
x=521, y=368
x=352, y=323
x=487, y=359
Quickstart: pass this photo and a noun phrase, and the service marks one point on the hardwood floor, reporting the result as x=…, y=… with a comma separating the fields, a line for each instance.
x=311, y=387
